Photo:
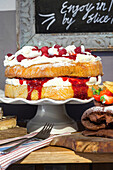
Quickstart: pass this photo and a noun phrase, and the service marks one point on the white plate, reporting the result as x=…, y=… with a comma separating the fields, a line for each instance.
x=4, y=99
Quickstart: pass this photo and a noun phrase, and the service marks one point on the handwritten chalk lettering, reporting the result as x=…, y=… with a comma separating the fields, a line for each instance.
x=112, y=21
x=75, y=9
x=101, y=6
x=50, y=17
x=89, y=12
x=111, y=5
x=68, y=9
x=67, y=20
x=63, y=7
x=89, y=17
x=89, y=8
x=96, y=18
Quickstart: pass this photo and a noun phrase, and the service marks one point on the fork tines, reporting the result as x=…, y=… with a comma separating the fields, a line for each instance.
x=47, y=128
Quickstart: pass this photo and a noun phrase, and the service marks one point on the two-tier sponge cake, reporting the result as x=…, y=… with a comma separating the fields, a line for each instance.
x=52, y=72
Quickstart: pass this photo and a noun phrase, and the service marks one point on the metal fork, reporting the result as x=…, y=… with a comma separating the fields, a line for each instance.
x=43, y=134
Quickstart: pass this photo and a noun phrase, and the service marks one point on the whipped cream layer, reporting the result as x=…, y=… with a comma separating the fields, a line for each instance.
x=38, y=60
x=57, y=81
x=30, y=55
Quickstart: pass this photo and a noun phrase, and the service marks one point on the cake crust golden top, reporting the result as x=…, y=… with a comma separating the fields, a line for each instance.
x=48, y=70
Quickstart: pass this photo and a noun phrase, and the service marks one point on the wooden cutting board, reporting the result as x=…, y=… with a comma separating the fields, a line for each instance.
x=80, y=143
x=13, y=132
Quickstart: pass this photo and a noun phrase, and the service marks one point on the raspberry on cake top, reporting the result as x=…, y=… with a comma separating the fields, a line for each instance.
x=30, y=55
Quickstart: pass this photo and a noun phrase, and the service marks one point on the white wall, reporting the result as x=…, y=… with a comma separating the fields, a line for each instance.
x=7, y=33
x=6, y=5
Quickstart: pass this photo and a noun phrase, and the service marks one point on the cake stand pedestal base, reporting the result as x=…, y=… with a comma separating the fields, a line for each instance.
x=49, y=111
x=55, y=114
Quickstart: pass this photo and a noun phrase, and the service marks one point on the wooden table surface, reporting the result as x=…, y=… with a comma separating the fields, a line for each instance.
x=54, y=155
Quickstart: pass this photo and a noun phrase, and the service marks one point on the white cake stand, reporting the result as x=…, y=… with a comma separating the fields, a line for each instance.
x=51, y=111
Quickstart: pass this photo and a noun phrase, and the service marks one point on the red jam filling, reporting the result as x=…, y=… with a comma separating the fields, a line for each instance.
x=78, y=84
x=79, y=87
x=34, y=84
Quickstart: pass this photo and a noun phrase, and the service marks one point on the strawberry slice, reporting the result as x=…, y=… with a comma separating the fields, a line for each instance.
x=104, y=96
x=106, y=92
x=96, y=97
x=106, y=99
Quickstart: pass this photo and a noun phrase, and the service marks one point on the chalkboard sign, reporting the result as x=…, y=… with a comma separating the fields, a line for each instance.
x=72, y=16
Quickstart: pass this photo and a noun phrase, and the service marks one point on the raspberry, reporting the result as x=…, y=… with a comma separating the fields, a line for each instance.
x=78, y=50
x=57, y=46
x=9, y=54
x=62, y=51
x=44, y=50
x=20, y=57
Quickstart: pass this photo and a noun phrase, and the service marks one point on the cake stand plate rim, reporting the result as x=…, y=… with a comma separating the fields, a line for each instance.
x=7, y=100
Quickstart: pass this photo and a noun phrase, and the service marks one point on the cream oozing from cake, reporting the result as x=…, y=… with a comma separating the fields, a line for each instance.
x=86, y=58
x=94, y=80
x=14, y=82
x=57, y=81
x=33, y=57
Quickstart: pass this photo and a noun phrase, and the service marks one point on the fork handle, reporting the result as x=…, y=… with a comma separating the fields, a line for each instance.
x=15, y=146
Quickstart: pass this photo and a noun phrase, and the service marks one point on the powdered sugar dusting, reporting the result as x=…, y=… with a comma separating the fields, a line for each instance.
x=99, y=109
